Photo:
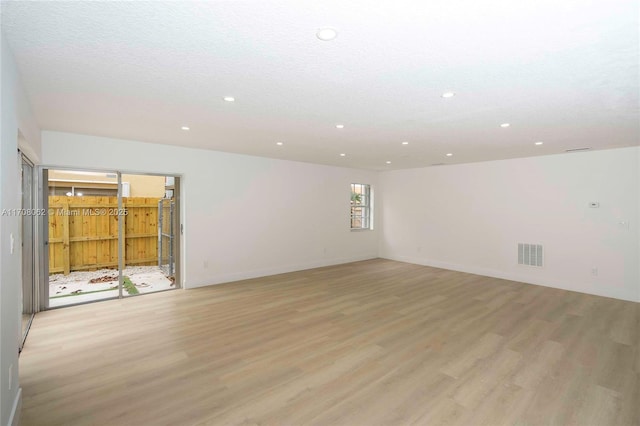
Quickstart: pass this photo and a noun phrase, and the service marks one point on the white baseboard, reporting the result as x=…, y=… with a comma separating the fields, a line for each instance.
x=493, y=273
x=16, y=410
x=523, y=278
x=265, y=272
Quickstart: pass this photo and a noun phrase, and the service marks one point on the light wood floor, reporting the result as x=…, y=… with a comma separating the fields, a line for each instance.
x=367, y=343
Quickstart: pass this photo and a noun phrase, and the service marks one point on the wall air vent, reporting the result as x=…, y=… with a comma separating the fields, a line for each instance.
x=577, y=149
x=530, y=254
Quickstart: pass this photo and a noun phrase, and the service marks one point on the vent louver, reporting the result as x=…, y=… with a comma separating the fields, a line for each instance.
x=577, y=149
x=530, y=254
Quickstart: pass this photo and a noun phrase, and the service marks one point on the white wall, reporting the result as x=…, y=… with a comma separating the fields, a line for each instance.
x=470, y=218
x=15, y=117
x=244, y=216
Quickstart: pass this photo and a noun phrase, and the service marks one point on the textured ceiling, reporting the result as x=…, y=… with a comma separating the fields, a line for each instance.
x=564, y=72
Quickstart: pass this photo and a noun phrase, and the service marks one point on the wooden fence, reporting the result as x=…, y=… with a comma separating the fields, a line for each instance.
x=83, y=232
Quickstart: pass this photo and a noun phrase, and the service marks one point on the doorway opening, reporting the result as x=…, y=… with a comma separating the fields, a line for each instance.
x=110, y=235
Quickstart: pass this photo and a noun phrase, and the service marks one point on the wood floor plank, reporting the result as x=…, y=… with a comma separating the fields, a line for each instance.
x=366, y=343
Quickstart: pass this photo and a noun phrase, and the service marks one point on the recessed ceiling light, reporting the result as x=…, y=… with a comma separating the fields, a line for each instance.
x=539, y=143
x=229, y=99
x=184, y=128
x=343, y=155
x=504, y=125
x=339, y=126
x=449, y=154
x=279, y=143
x=405, y=143
x=326, y=34
x=388, y=162
x=448, y=95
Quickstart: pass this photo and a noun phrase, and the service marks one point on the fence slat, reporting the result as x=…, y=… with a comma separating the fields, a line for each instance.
x=65, y=241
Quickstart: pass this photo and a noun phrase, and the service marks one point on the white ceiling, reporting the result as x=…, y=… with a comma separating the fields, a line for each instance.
x=564, y=72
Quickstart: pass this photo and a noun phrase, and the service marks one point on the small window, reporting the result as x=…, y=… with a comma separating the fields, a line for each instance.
x=360, y=206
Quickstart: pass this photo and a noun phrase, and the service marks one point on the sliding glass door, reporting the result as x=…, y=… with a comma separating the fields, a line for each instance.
x=105, y=234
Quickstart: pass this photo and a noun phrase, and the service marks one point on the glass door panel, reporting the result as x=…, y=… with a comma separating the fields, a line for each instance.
x=83, y=236
x=150, y=241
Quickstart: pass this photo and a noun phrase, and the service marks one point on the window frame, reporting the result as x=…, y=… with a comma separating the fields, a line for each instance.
x=365, y=215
